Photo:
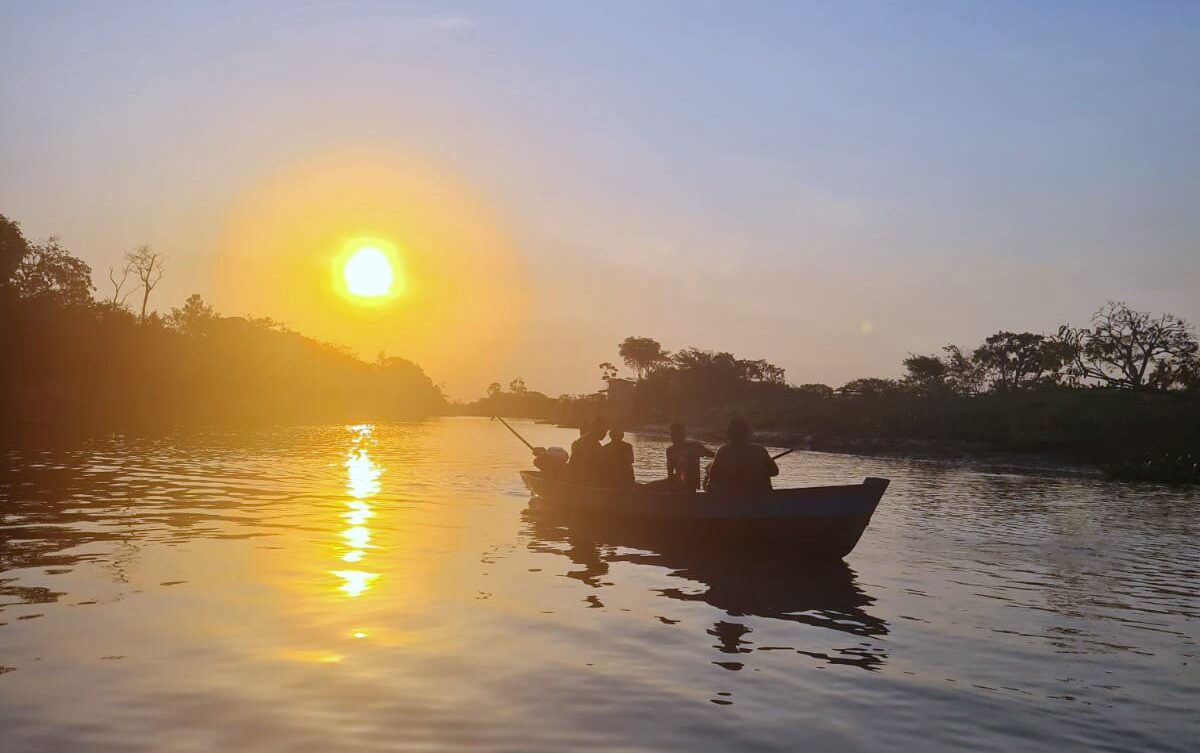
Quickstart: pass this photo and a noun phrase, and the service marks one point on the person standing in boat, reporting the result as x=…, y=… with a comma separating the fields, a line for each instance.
x=683, y=460
x=618, y=459
x=741, y=467
x=587, y=464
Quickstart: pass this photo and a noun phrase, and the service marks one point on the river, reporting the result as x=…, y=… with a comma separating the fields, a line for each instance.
x=383, y=587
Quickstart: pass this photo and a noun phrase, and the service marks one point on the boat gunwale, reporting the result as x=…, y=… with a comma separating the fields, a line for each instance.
x=640, y=490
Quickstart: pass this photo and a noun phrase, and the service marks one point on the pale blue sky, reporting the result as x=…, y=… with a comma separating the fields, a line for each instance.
x=757, y=177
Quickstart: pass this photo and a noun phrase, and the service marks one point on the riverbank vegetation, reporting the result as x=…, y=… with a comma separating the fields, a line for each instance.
x=75, y=364
x=1123, y=392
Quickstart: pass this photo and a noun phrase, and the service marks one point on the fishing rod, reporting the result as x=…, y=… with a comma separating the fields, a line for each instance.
x=785, y=452
x=515, y=434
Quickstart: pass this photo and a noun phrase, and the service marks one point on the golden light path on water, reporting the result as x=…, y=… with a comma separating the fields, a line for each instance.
x=362, y=483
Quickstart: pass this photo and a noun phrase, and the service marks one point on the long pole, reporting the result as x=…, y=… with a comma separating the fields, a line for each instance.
x=785, y=452
x=514, y=431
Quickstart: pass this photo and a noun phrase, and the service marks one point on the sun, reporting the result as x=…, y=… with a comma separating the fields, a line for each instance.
x=368, y=273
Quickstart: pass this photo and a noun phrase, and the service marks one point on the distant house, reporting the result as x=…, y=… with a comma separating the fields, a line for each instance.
x=618, y=401
x=614, y=403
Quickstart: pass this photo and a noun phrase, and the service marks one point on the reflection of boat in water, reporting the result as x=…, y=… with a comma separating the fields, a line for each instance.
x=813, y=522
x=751, y=582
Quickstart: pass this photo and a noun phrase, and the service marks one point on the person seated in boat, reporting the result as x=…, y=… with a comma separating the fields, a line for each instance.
x=683, y=462
x=587, y=464
x=551, y=461
x=741, y=467
x=618, y=459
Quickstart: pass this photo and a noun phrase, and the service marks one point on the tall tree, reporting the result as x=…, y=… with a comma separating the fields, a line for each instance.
x=149, y=266
x=1127, y=348
x=642, y=354
x=48, y=272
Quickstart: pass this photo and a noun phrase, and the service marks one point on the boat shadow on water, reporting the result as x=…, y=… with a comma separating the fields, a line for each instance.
x=745, y=584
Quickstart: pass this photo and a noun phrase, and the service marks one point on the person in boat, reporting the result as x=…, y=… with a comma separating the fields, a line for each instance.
x=618, y=459
x=551, y=461
x=741, y=467
x=683, y=461
x=587, y=465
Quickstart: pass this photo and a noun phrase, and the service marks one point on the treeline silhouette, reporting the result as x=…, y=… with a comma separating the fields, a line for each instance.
x=73, y=365
x=1123, y=392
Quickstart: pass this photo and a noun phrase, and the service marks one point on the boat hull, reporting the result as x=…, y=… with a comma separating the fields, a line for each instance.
x=824, y=522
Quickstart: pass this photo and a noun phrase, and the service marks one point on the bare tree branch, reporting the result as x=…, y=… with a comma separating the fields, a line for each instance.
x=150, y=266
x=118, y=300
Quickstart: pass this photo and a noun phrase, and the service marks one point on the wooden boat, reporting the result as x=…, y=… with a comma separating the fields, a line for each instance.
x=817, y=521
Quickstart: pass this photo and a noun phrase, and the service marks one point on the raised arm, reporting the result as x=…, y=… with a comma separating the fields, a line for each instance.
x=716, y=470
x=772, y=466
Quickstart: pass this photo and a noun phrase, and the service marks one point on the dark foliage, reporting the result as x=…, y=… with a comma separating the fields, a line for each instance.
x=74, y=367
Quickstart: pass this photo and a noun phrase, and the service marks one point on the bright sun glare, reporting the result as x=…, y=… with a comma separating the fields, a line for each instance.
x=368, y=273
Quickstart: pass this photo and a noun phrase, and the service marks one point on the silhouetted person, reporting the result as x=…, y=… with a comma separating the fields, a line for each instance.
x=618, y=459
x=586, y=465
x=741, y=467
x=683, y=459
x=551, y=461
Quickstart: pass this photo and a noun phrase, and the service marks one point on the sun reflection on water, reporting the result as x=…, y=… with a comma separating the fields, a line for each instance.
x=362, y=483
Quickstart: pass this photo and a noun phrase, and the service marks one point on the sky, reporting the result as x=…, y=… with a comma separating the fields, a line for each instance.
x=828, y=186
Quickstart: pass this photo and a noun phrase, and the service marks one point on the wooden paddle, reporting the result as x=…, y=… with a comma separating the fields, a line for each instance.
x=785, y=452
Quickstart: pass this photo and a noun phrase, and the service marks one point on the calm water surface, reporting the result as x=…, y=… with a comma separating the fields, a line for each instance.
x=384, y=588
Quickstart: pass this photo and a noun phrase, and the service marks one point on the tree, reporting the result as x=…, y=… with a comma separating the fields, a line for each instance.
x=48, y=272
x=196, y=317
x=608, y=371
x=1186, y=375
x=819, y=391
x=494, y=389
x=871, y=387
x=642, y=355
x=149, y=266
x=1018, y=361
x=517, y=386
x=761, y=371
x=964, y=375
x=773, y=374
x=13, y=248
x=1132, y=349
x=926, y=374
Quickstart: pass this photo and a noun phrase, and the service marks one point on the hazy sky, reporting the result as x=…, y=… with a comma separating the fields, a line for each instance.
x=826, y=185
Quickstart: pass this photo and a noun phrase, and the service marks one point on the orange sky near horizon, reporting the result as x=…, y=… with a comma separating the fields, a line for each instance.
x=285, y=239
